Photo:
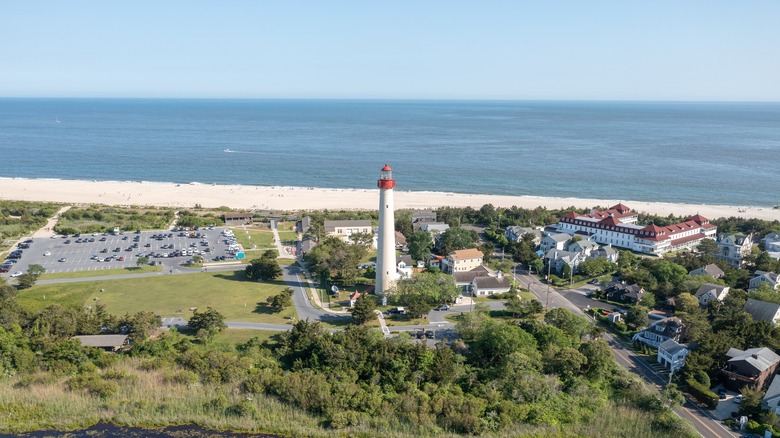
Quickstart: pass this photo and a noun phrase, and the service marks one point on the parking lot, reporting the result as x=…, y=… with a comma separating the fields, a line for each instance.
x=121, y=250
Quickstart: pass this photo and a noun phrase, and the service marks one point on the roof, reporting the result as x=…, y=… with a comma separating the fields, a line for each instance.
x=236, y=215
x=712, y=270
x=400, y=238
x=463, y=254
x=347, y=223
x=491, y=282
x=102, y=341
x=686, y=239
x=404, y=258
x=759, y=358
x=562, y=237
x=620, y=208
x=773, y=390
x=716, y=289
x=701, y=220
x=672, y=347
x=761, y=310
x=386, y=168
x=355, y=295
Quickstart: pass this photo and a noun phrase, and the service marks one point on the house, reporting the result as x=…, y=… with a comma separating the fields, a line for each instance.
x=515, y=233
x=306, y=245
x=105, y=342
x=770, y=278
x=420, y=217
x=771, y=244
x=303, y=225
x=435, y=228
x=733, y=248
x=708, y=292
x=763, y=311
x=435, y=261
x=771, y=399
x=462, y=260
x=659, y=332
x=606, y=252
x=400, y=240
x=672, y=355
x=752, y=367
x=712, y=270
x=353, y=298
x=555, y=241
x=237, y=218
x=620, y=291
x=482, y=286
x=556, y=260
x=617, y=226
x=344, y=229
x=404, y=265
x=584, y=247
x=464, y=280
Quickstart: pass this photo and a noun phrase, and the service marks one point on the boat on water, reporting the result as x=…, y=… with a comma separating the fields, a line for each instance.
x=229, y=150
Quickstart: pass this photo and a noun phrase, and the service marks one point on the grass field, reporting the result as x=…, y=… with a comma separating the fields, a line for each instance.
x=240, y=336
x=288, y=235
x=260, y=238
x=169, y=295
x=101, y=272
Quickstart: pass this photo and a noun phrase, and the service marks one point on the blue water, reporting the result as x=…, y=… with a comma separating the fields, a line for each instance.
x=714, y=153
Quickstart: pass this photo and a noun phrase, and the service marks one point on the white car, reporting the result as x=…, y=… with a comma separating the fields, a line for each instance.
x=17, y=274
x=47, y=253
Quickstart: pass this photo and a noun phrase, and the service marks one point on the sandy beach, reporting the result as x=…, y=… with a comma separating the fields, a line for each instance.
x=310, y=198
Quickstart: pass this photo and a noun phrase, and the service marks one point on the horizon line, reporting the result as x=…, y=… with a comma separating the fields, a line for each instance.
x=381, y=99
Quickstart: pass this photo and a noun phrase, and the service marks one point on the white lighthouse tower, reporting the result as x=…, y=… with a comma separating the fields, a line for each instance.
x=385, y=257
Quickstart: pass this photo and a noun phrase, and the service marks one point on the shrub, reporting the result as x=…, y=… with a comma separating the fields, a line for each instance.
x=702, y=377
x=216, y=404
x=702, y=393
x=244, y=408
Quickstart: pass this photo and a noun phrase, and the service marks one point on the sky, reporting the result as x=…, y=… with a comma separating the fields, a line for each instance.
x=691, y=50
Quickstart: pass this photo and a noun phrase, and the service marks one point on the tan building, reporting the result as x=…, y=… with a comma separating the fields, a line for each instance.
x=462, y=260
x=344, y=229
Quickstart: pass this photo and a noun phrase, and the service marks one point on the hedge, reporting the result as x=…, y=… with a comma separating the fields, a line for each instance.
x=702, y=393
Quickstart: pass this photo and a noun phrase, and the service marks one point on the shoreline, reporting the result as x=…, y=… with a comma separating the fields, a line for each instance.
x=285, y=198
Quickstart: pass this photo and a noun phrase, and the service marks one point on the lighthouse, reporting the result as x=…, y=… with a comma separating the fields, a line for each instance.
x=385, y=257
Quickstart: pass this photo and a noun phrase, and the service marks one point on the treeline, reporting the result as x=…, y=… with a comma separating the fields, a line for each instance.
x=98, y=219
x=21, y=217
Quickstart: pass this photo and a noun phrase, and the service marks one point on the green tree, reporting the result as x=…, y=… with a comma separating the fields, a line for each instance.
x=207, y=324
x=524, y=308
x=566, y=363
x=281, y=300
x=142, y=261
x=420, y=244
x=708, y=247
x=594, y=267
x=366, y=240
x=36, y=270
x=364, y=310
x=536, y=264
x=672, y=396
x=425, y=291
x=637, y=317
x=456, y=238
x=686, y=302
x=265, y=268
x=669, y=272
x=626, y=259
x=26, y=280
x=335, y=258
x=141, y=325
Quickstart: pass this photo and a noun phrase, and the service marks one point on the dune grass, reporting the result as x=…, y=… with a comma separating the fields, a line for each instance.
x=237, y=298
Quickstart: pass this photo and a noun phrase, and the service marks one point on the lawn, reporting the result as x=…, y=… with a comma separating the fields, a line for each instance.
x=240, y=336
x=288, y=235
x=260, y=238
x=101, y=272
x=169, y=295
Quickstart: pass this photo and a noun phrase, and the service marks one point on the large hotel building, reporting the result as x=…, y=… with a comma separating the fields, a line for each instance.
x=617, y=227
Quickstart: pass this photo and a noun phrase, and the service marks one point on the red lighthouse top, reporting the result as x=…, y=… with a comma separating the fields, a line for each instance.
x=386, y=180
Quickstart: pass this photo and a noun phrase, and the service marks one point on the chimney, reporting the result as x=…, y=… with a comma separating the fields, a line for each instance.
x=499, y=275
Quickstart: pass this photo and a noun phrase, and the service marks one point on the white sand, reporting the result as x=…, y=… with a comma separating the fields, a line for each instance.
x=302, y=198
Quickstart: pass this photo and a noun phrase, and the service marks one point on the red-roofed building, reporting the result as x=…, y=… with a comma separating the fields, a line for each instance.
x=617, y=227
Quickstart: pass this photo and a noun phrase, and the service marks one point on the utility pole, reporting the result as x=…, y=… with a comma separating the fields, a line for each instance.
x=549, y=263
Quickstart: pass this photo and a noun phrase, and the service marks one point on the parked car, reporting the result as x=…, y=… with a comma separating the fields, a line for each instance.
x=722, y=393
x=17, y=274
x=594, y=281
x=443, y=307
x=61, y=259
x=429, y=334
x=47, y=253
x=738, y=399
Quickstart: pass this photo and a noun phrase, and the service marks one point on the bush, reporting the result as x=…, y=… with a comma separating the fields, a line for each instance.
x=216, y=404
x=702, y=377
x=702, y=393
x=244, y=408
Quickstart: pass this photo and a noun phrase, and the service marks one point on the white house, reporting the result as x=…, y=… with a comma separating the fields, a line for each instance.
x=557, y=259
x=606, y=252
x=770, y=278
x=555, y=241
x=672, y=355
x=708, y=292
x=434, y=227
x=733, y=248
x=344, y=229
x=660, y=331
x=404, y=266
x=482, y=286
x=772, y=245
x=515, y=233
x=772, y=397
x=712, y=270
x=584, y=247
x=763, y=311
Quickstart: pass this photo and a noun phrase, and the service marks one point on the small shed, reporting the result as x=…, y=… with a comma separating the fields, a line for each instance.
x=353, y=298
x=614, y=317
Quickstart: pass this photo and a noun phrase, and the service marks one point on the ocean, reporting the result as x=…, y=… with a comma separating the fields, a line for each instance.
x=700, y=153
